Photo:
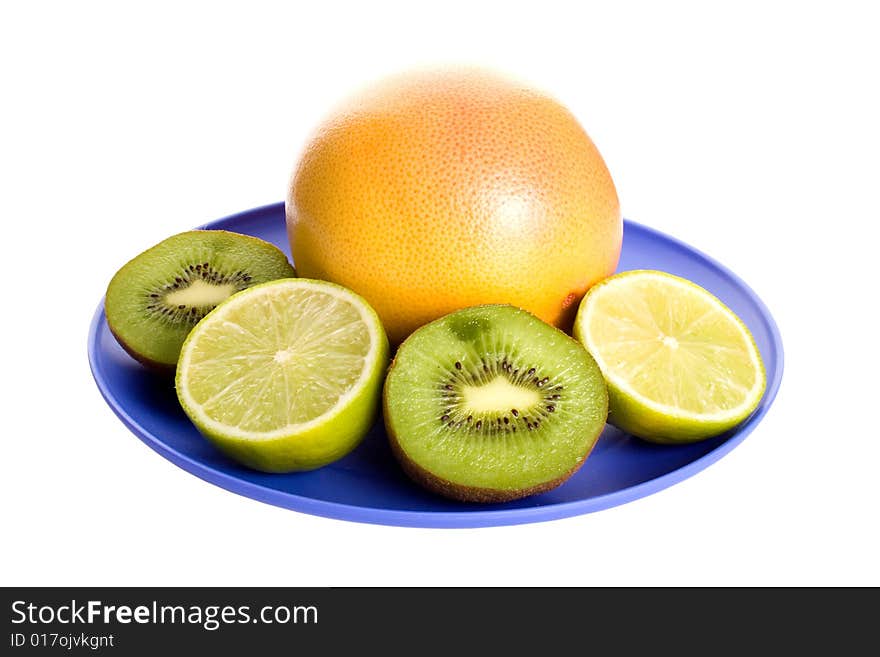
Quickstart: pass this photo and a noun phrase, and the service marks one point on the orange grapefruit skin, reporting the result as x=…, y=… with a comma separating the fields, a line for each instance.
x=438, y=190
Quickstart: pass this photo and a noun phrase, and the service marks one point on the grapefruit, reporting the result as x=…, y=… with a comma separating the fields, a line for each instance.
x=437, y=190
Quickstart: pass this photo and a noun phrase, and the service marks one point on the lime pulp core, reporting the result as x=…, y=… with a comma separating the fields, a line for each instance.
x=674, y=345
x=679, y=363
x=275, y=360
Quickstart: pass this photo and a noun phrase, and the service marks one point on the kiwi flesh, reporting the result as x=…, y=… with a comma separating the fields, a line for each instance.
x=491, y=404
x=156, y=298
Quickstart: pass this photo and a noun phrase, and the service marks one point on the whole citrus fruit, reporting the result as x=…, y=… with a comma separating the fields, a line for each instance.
x=437, y=190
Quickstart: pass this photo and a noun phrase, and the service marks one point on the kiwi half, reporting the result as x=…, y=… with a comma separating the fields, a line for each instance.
x=156, y=298
x=490, y=404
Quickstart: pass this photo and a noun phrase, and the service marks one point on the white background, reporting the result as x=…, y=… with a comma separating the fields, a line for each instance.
x=751, y=133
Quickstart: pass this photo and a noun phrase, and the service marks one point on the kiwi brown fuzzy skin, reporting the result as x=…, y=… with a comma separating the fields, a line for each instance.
x=463, y=493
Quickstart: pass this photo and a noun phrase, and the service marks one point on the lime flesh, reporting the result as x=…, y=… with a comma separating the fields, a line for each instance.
x=286, y=375
x=680, y=365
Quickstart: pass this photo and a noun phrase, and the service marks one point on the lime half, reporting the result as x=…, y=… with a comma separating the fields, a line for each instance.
x=286, y=375
x=679, y=364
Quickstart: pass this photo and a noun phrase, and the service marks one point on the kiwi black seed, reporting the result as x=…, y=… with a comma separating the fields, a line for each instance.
x=155, y=299
x=490, y=404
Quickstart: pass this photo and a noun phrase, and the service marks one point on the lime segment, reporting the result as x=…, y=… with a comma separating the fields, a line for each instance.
x=680, y=365
x=286, y=375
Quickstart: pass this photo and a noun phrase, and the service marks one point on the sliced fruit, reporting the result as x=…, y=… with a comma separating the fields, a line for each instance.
x=490, y=404
x=680, y=365
x=286, y=375
x=154, y=300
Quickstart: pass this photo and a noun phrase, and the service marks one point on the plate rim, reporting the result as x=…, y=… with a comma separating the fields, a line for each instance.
x=454, y=519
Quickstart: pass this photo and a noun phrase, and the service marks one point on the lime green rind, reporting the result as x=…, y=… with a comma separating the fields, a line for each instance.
x=504, y=462
x=652, y=422
x=628, y=415
x=313, y=444
x=312, y=448
x=126, y=317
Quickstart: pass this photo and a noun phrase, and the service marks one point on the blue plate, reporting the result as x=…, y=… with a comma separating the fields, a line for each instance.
x=368, y=485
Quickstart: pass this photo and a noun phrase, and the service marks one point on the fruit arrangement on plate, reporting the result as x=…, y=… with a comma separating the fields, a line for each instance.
x=455, y=238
